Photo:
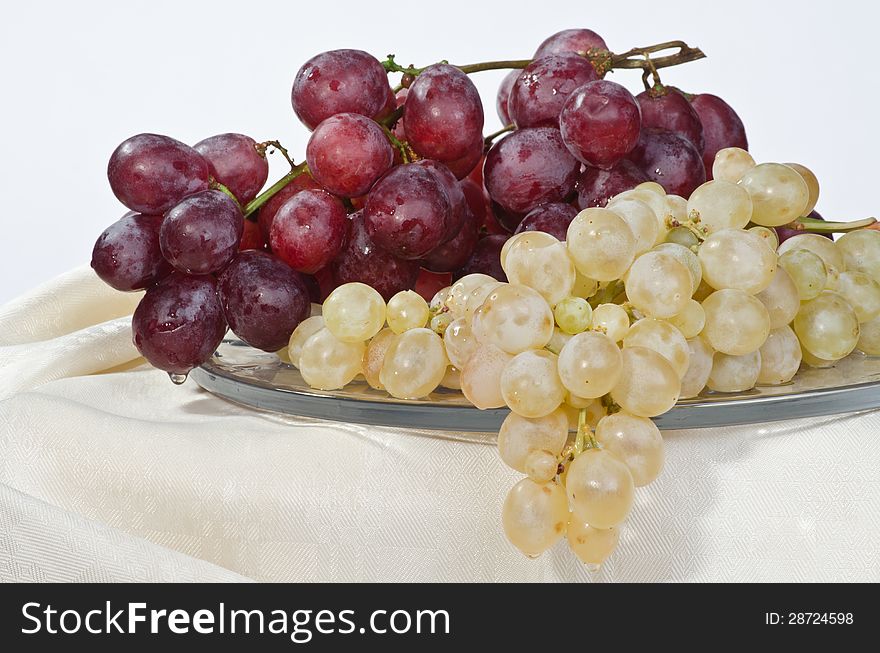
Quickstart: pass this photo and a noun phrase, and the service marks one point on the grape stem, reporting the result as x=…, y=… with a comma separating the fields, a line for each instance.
x=811, y=225
x=262, y=147
x=406, y=152
x=252, y=206
x=216, y=185
x=487, y=142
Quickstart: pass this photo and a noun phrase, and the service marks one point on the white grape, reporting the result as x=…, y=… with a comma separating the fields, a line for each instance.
x=584, y=287
x=691, y=320
x=780, y=357
x=731, y=164
x=525, y=241
x=514, y=318
x=659, y=285
x=601, y=244
x=481, y=377
x=663, y=338
x=534, y=516
x=641, y=220
x=327, y=363
x=600, y=488
x=648, y=384
x=452, y=379
x=694, y=382
x=520, y=436
x=573, y=315
x=557, y=341
x=657, y=201
x=812, y=186
x=807, y=270
x=862, y=292
x=636, y=442
x=734, y=373
x=530, y=384
x=461, y=290
x=736, y=322
x=407, y=310
x=548, y=270
x=781, y=299
x=733, y=258
x=720, y=205
x=823, y=247
x=869, y=338
x=779, y=194
x=612, y=320
x=460, y=342
x=354, y=312
x=305, y=330
x=768, y=235
x=652, y=187
x=827, y=326
x=590, y=365
x=592, y=546
x=374, y=357
x=678, y=210
x=415, y=364
x=861, y=252
x=686, y=257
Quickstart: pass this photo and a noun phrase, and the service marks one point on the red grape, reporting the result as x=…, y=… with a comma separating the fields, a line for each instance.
x=347, y=153
x=179, y=323
x=150, y=173
x=539, y=92
x=267, y=212
x=670, y=160
x=443, y=113
x=127, y=255
x=571, y=40
x=201, y=234
x=309, y=230
x=596, y=186
x=549, y=218
x=784, y=233
x=464, y=166
x=479, y=205
x=251, y=236
x=234, y=161
x=600, y=123
x=486, y=259
x=360, y=260
x=503, y=97
x=668, y=109
x=430, y=283
x=407, y=212
x=263, y=300
x=457, y=203
x=721, y=127
x=399, y=131
x=339, y=81
x=507, y=220
x=455, y=253
x=530, y=167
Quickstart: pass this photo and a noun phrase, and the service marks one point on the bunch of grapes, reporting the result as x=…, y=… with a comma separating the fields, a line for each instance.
x=587, y=266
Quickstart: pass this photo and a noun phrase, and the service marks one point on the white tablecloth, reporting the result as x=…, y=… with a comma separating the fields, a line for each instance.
x=123, y=476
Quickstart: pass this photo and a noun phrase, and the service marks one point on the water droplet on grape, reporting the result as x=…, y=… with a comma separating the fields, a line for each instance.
x=177, y=379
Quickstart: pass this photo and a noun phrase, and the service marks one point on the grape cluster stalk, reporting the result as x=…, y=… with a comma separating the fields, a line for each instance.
x=596, y=260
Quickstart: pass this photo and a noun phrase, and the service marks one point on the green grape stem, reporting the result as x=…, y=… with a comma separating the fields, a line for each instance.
x=216, y=185
x=487, y=142
x=813, y=226
x=252, y=206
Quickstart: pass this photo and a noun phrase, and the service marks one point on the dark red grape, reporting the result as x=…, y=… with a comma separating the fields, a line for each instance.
x=670, y=160
x=464, y=166
x=390, y=105
x=267, y=212
x=263, y=300
x=571, y=40
x=541, y=89
x=407, y=212
x=339, y=81
x=399, y=131
x=360, y=260
x=549, y=218
x=251, y=236
x=721, y=126
x=347, y=153
x=443, y=114
x=234, y=161
x=486, y=259
x=600, y=123
x=479, y=205
x=507, y=220
x=179, y=323
x=503, y=97
x=664, y=108
x=309, y=230
x=201, y=234
x=150, y=173
x=127, y=255
x=457, y=203
x=455, y=253
x=430, y=283
x=784, y=233
x=530, y=167
x=595, y=186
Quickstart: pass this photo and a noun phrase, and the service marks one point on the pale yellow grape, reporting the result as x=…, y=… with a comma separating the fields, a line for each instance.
x=648, y=386
x=327, y=363
x=656, y=201
x=600, y=488
x=736, y=322
x=685, y=256
x=601, y=244
x=438, y=302
x=733, y=258
x=415, y=363
x=305, y=330
x=678, y=209
x=460, y=342
x=461, y=290
x=354, y=312
x=690, y=321
x=781, y=299
x=694, y=382
x=557, y=341
x=541, y=466
x=283, y=355
x=636, y=442
x=861, y=252
x=584, y=287
x=514, y=318
x=824, y=248
x=592, y=546
x=807, y=270
x=534, y=516
x=828, y=326
x=812, y=185
x=440, y=322
x=734, y=373
x=682, y=236
x=374, y=357
x=452, y=379
x=768, y=235
x=833, y=280
x=481, y=377
x=779, y=194
x=612, y=320
x=731, y=164
x=780, y=357
x=590, y=365
x=721, y=205
x=863, y=294
x=815, y=361
x=653, y=187
x=662, y=337
x=573, y=315
x=641, y=220
x=579, y=403
x=407, y=310
x=476, y=298
x=525, y=241
x=869, y=338
x=530, y=384
x=520, y=436
x=548, y=270
x=659, y=285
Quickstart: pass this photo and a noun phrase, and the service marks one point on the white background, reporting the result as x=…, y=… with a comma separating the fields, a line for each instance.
x=78, y=78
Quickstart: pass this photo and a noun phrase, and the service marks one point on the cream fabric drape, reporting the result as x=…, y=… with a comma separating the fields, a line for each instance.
x=109, y=472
